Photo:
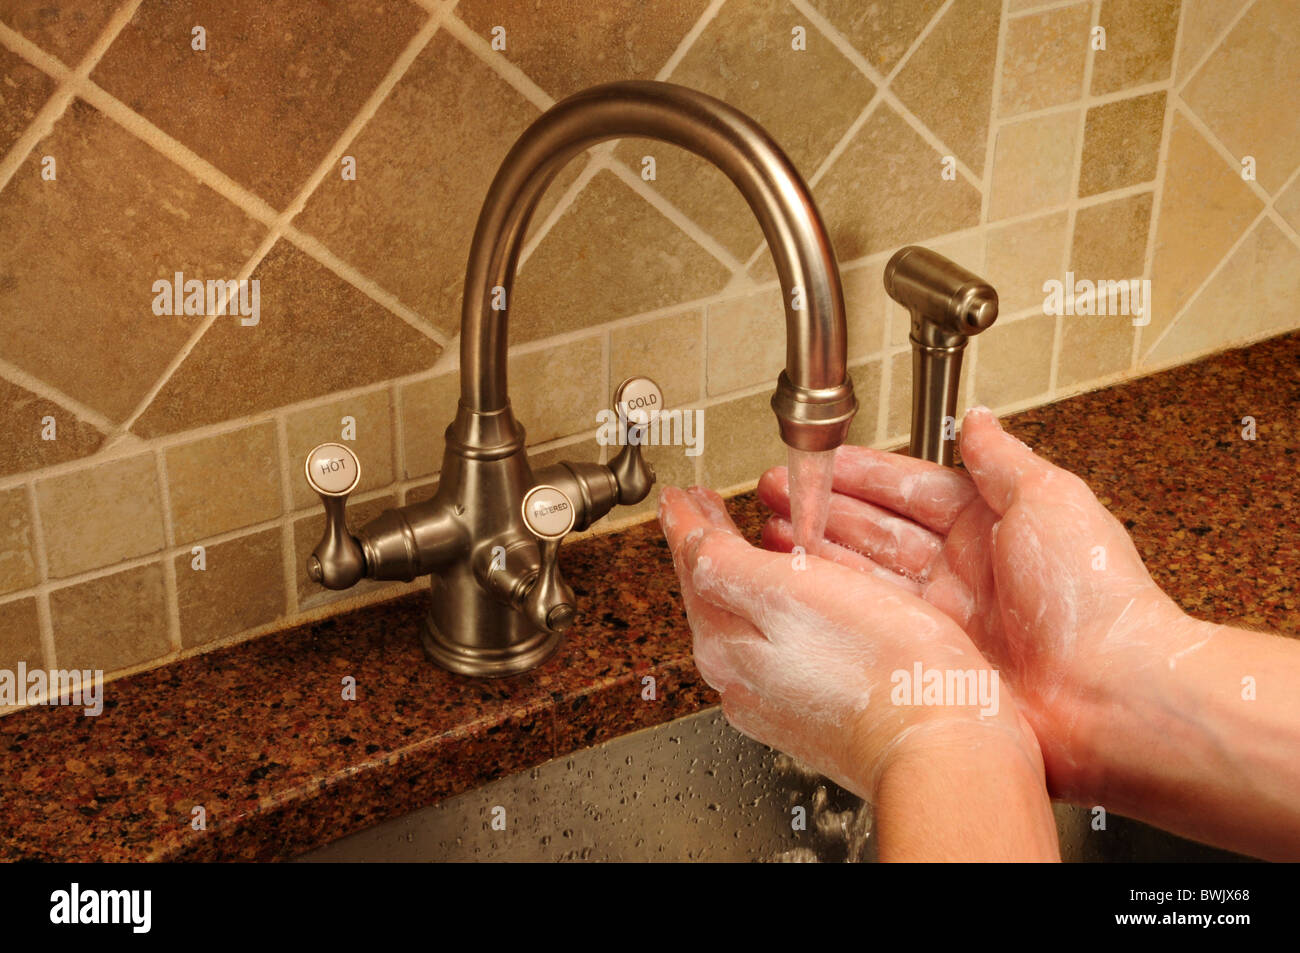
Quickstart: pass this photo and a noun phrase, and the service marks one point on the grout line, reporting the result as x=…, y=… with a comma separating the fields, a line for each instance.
x=1217, y=144
x=68, y=83
x=688, y=41
x=172, y=590
x=395, y=404
x=264, y=248
x=179, y=154
x=557, y=211
x=1043, y=8
x=1088, y=101
x=16, y=375
x=986, y=184
x=675, y=215
x=367, y=286
x=1209, y=50
x=44, y=614
x=1209, y=279
x=507, y=70
x=288, y=551
x=1076, y=175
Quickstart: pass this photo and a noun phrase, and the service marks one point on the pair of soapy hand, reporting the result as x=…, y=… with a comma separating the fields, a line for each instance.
x=1016, y=567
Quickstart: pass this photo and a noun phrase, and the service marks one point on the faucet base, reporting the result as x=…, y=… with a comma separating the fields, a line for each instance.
x=485, y=662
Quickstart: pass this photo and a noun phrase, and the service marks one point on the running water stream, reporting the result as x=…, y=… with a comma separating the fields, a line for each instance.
x=811, y=473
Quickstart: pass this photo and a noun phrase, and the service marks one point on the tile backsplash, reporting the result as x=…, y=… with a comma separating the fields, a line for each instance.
x=152, y=502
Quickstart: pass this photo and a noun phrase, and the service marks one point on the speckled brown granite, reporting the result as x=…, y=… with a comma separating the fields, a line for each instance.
x=260, y=736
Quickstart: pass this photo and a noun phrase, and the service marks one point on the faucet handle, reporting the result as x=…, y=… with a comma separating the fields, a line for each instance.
x=549, y=514
x=337, y=562
x=637, y=402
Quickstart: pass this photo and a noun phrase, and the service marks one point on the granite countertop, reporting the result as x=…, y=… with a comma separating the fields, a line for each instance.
x=260, y=736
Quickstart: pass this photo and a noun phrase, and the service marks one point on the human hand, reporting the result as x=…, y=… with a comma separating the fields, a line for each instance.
x=804, y=657
x=1024, y=558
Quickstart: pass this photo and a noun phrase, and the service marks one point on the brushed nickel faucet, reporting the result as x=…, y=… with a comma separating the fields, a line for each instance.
x=490, y=537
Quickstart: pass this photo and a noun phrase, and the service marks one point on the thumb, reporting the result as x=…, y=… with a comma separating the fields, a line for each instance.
x=999, y=463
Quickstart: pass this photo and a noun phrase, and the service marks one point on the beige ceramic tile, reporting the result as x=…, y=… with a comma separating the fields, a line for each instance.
x=100, y=515
x=867, y=307
x=1252, y=296
x=567, y=46
x=317, y=334
x=1204, y=208
x=111, y=622
x=1139, y=44
x=1236, y=91
x=428, y=407
x=224, y=482
x=1092, y=347
x=23, y=91
x=1044, y=59
x=82, y=252
x=241, y=587
x=948, y=82
x=584, y=451
x=669, y=350
x=20, y=635
x=746, y=341
x=66, y=29
x=369, y=434
x=267, y=100
x=23, y=443
x=1121, y=143
x=1024, y=255
x=885, y=190
x=610, y=255
x=18, y=569
x=881, y=31
x=805, y=99
x=1033, y=163
x=866, y=387
x=558, y=391
x=1110, y=238
x=898, y=419
x=1014, y=361
x=1203, y=21
x=741, y=440
x=307, y=532
x=1288, y=205
x=407, y=219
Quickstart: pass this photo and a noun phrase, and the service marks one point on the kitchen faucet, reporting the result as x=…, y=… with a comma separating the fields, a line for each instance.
x=490, y=537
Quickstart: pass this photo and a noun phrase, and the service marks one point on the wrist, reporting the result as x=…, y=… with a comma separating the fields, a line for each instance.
x=951, y=738
x=1125, y=703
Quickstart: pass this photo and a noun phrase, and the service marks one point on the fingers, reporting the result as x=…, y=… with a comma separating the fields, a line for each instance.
x=1001, y=465
x=891, y=541
x=918, y=489
x=778, y=537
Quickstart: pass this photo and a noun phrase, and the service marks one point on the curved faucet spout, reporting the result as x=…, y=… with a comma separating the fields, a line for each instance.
x=814, y=399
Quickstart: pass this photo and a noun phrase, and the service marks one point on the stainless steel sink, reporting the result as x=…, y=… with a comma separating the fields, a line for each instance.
x=691, y=789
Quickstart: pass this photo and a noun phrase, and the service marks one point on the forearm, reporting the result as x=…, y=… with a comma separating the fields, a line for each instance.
x=972, y=793
x=1207, y=743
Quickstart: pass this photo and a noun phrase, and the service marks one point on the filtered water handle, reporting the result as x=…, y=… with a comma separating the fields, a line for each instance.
x=549, y=514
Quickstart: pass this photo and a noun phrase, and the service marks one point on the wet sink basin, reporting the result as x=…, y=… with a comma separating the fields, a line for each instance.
x=691, y=789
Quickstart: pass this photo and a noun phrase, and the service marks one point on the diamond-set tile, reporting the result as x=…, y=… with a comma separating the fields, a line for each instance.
x=272, y=90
